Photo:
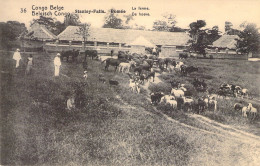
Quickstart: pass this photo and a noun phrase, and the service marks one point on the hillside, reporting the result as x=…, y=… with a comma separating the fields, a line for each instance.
x=116, y=127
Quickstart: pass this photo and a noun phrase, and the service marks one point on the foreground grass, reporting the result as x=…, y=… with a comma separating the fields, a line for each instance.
x=37, y=129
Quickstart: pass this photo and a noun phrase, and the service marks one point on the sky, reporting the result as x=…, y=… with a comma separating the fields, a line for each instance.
x=214, y=12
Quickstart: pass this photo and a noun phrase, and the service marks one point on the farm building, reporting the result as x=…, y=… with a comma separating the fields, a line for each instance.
x=138, y=45
x=108, y=39
x=40, y=33
x=37, y=37
x=225, y=48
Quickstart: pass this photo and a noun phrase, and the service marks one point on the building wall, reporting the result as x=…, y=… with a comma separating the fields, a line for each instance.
x=138, y=49
x=101, y=50
x=168, y=51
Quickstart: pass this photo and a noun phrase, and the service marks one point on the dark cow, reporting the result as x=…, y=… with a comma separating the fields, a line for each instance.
x=73, y=53
x=183, y=55
x=150, y=62
x=112, y=62
x=113, y=82
x=188, y=69
x=199, y=85
x=174, y=84
x=91, y=53
x=141, y=68
x=201, y=105
x=238, y=106
x=156, y=97
x=148, y=75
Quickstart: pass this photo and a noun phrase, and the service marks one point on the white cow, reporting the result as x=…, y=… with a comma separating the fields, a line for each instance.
x=252, y=110
x=167, y=98
x=177, y=92
x=211, y=101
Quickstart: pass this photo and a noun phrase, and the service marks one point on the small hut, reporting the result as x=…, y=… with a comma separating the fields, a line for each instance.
x=139, y=44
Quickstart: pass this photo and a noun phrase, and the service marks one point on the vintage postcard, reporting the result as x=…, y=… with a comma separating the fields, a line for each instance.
x=130, y=82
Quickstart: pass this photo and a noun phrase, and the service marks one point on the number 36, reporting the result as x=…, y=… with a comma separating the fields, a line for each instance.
x=23, y=10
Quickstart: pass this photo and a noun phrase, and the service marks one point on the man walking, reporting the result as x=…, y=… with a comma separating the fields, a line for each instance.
x=57, y=64
x=17, y=57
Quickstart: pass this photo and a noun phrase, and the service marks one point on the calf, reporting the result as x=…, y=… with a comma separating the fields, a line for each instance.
x=113, y=82
x=156, y=97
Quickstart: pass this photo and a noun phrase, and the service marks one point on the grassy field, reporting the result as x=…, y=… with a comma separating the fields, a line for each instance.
x=116, y=127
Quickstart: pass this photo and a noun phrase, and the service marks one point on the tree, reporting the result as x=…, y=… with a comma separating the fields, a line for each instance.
x=10, y=32
x=249, y=39
x=84, y=32
x=51, y=24
x=199, y=36
x=166, y=23
x=228, y=26
x=71, y=19
x=229, y=30
x=112, y=20
x=213, y=34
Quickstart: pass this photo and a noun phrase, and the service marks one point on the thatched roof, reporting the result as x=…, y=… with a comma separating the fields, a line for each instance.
x=40, y=32
x=226, y=41
x=125, y=36
x=141, y=41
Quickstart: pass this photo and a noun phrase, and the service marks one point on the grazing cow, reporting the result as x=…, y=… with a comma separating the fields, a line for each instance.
x=175, y=84
x=199, y=85
x=201, y=105
x=150, y=75
x=167, y=98
x=91, y=53
x=156, y=97
x=178, y=65
x=124, y=67
x=122, y=55
x=183, y=55
x=188, y=69
x=238, y=106
x=245, y=111
x=244, y=92
x=188, y=103
x=66, y=54
x=180, y=102
x=177, y=92
x=211, y=103
x=173, y=103
x=112, y=62
x=252, y=110
x=113, y=82
x=134, y=86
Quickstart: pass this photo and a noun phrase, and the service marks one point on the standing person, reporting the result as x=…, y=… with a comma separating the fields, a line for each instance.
x=112, y=51
x=17, y=57
x=57, y=64
x=29, y=65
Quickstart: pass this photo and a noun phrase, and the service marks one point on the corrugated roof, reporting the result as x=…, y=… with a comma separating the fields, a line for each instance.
x=126, y=36
x=226, y=41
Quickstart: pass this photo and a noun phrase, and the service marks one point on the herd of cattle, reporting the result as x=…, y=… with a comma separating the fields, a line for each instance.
x=140, y=68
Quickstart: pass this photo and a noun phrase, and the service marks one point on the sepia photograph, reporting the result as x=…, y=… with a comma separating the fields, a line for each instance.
x=130, y=82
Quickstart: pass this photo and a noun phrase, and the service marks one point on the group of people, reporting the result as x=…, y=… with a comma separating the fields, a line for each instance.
x=17, y=57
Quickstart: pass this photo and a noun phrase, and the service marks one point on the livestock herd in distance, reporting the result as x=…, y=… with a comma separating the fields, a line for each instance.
x=141, y=68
